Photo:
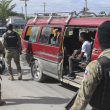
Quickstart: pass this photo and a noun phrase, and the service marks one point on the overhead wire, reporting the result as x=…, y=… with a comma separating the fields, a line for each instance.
x=54, y=5
x=99, y=6
x=69, y=6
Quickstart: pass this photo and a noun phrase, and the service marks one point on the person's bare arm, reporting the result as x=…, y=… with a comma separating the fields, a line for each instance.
x=81, y=54
x=76, y=52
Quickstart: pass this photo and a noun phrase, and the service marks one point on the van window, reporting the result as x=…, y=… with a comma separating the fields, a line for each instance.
x=32, y=33
x=47, y=34
x=69, y=31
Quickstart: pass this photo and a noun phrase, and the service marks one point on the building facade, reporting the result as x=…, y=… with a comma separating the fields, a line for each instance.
x=18, y=22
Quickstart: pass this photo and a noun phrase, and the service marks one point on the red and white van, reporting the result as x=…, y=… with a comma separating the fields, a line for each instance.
x=46, y=59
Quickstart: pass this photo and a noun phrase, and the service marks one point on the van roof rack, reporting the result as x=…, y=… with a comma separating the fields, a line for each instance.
x=89, y=14
x=101, y=15
x=71, y=14
x=86, y=14
x=53, y=14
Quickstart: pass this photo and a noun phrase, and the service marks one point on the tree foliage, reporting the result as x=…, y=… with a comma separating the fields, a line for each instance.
x=29, y=17
x=109, y=14
x=5, y=10
x=84, y=9
x=17, y=14
x=46, y=14
x=102, y=12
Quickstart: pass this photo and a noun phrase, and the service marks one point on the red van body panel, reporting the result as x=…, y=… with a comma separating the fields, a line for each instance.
x=96, y=49
x=45, y=58
x=91, y=21
x=59, y=21
x=47, y=52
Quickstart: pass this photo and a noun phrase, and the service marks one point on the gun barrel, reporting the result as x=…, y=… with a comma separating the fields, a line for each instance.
x=0, y=78
x=71, y=102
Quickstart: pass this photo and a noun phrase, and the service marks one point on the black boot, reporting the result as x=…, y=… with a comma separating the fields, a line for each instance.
x=70, y=75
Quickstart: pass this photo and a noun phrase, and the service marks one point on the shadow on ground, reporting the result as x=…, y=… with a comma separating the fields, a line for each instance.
x=36, y=100
x=15, y=73
x=49, y=80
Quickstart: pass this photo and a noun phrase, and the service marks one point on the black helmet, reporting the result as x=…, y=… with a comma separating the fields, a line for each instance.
x=9, y=27
x=104, y=35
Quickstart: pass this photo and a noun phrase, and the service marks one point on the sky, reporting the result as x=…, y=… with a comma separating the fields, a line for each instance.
x=37, y=6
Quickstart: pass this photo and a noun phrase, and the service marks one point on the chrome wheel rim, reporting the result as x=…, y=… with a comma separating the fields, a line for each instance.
x=36, y=71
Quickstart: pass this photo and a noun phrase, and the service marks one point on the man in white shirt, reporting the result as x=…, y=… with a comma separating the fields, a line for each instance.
x=85, y=50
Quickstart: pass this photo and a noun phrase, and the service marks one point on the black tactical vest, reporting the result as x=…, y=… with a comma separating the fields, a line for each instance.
x=11, y=39
x=101, y=97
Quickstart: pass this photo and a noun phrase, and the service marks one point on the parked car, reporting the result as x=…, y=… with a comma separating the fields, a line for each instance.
x=2, y=31
x=46, y=59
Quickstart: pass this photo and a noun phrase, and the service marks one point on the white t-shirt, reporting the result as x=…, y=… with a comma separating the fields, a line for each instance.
x=86, y=48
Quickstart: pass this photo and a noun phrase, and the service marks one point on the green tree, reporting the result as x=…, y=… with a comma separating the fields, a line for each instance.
x=17, y=14
x=84, y=9
x=29, y=17
x=109, y=14
x=5, y=10
x=102, y=12
x=21, y=15
x=46, y=14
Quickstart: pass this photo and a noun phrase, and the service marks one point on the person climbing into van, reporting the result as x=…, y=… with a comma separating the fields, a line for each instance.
x=78, y=54
x=55, y=40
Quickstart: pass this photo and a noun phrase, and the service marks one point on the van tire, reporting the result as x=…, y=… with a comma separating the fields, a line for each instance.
x=36, y=71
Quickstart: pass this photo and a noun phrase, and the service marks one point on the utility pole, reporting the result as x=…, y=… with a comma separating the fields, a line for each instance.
x=25, y=8
x=44, y=7
x=22, y=9
x=85, y=5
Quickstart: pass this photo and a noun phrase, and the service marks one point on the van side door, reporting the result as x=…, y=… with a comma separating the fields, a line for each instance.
x=48, y=53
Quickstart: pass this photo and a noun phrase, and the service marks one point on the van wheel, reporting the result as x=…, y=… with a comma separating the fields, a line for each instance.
x=36, y=71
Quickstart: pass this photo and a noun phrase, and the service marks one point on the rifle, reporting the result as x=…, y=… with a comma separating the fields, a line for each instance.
x=71, y=102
